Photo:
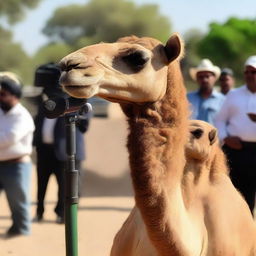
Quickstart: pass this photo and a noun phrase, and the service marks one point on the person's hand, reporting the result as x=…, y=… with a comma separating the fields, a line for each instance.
x=252, y=116
x=233, y=142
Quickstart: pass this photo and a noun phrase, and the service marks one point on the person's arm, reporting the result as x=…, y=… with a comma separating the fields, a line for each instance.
x=221, y=122
x=221, y=119
x=193, y=105
x=233, y=142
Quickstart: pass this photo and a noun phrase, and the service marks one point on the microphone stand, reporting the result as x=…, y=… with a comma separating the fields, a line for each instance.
x=72, y=109
x=71, y=181
x=71, y=187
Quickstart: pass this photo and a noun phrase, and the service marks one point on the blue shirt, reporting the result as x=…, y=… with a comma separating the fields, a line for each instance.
x=205, y=109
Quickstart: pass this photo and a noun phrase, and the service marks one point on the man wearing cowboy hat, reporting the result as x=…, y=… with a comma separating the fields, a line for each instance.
x=206, y=101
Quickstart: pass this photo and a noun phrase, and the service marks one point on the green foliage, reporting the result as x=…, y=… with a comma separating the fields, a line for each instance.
x=101, y=20
x=51, y=53
x=191, y=58
x=14, y=10
x=13, y=58
x=229, y=44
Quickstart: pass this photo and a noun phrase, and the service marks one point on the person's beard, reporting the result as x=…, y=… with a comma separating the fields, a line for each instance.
x=5, y=106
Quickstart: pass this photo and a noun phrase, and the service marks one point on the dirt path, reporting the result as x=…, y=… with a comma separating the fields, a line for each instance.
x=105, y=203
x=98, y=221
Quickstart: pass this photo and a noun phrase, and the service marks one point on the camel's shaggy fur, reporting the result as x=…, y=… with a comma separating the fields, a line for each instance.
x=183, y=208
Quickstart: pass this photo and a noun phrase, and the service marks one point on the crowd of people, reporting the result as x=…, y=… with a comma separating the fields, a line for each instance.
x=19, y=133
x=232, y=110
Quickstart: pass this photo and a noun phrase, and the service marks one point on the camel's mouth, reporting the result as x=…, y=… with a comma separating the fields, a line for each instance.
x=80, y=91
x=75, y=87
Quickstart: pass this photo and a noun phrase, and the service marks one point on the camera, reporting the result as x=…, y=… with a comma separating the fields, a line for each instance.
x=47, y=76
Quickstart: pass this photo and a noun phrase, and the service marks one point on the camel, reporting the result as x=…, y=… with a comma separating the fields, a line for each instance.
x=204, y=160
x=197, y=150
x=179, y=211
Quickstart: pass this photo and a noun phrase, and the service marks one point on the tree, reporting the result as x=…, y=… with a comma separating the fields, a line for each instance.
x=191, y=59
x=13, y=57
x=229, y=44
x=14, y=10
x=52, y=52
x=101, y=20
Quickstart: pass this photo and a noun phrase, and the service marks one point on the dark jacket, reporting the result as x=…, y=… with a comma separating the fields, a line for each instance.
x=60, y=136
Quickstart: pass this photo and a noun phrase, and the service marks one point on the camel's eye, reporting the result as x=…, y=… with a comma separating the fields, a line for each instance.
x=197, y=133
x=135, y=60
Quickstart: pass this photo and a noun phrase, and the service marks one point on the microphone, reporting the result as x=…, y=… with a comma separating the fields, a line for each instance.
x=55, y=107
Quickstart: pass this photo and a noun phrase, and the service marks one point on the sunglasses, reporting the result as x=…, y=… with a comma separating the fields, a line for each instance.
x=252, y=72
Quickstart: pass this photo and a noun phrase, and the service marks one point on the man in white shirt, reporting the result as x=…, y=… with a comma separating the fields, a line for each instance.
x=16, y=132
x=236, y=123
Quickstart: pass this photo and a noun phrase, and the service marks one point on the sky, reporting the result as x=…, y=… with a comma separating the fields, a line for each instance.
x=183, y=15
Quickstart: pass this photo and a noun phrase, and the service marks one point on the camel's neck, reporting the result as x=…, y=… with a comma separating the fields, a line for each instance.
x=156, y=146
x=158, y=132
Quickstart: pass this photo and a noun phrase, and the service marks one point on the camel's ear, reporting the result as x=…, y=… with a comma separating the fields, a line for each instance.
x=173, y=48
x=212, y=136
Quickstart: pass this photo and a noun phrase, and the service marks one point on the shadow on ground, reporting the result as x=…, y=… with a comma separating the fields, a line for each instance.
x=95, y=185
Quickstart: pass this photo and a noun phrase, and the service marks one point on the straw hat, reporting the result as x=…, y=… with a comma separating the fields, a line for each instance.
x=204, y=65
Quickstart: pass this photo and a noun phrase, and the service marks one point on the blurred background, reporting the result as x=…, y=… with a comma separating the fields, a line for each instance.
x=33, y=32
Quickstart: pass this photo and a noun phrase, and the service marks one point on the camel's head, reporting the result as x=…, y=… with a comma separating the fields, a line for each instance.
x=202, y=140
x=130, y=70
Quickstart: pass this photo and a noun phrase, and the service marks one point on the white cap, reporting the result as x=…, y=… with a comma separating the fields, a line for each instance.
x=251, y=61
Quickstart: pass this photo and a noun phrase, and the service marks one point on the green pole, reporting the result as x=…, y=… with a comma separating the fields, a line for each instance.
x=71, y=230
x=71, y=188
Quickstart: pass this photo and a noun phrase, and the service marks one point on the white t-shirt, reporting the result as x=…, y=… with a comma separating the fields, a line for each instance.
x=233, y=119
x=16, y=133
x=48, y=130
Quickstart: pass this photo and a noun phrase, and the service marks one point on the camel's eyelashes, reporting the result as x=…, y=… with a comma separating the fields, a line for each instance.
x=197, y=133
x=135, y=60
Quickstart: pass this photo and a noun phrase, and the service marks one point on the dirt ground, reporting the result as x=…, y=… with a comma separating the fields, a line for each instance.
x=105, y=203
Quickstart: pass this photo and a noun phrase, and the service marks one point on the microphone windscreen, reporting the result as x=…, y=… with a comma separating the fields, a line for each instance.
x=54, y=108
